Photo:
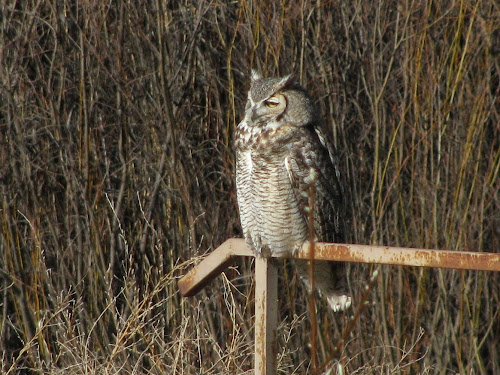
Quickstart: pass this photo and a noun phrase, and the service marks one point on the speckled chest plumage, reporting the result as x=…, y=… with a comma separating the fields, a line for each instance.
x=271, y=215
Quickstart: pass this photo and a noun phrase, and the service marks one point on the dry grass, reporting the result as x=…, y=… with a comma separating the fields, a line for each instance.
x=116, y=169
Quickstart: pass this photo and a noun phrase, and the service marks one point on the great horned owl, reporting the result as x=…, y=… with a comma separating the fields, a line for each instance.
x=280, y=152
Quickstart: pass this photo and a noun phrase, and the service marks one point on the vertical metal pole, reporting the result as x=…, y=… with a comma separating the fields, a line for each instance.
x=266, y=316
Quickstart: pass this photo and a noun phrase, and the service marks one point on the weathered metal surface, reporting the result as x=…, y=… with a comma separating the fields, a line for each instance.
x=266, y=316
x=401, y=256
x=210, y=267
x=266, y=296
x=219, y=259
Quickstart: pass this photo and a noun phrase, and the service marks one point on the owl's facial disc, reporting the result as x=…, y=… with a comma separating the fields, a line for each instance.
x=269, y=108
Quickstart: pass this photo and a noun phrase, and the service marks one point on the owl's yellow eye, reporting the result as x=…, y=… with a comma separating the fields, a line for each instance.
x=271, y=103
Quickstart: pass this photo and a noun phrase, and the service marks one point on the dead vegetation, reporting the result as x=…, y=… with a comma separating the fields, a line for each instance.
x=116, y=171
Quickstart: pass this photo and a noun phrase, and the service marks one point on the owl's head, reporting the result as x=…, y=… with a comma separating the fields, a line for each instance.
x=273, y=102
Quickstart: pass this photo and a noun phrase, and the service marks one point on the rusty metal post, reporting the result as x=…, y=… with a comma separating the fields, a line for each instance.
x=266, y=316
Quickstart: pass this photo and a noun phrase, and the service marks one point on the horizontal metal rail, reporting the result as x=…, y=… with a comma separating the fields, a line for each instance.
x=220, y=258
x=403, y=256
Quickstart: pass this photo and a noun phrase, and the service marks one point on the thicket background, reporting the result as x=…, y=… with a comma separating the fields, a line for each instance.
x=117, y=169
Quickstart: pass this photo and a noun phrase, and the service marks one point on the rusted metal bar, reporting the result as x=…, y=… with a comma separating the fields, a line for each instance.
x=266, y=316
x=219, y=259
x=266, y=297
x=210, y=267
x=402, y=256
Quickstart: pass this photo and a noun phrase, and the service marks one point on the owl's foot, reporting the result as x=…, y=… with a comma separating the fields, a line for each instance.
x=339, y=302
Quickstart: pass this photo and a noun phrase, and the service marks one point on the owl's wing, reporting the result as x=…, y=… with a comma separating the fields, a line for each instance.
x=315, y=160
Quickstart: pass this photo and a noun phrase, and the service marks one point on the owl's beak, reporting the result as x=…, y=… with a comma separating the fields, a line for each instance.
x=255, y=114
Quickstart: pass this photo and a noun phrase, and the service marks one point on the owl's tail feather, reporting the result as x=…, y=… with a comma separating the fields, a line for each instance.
x=330, y=280
x=339, y=302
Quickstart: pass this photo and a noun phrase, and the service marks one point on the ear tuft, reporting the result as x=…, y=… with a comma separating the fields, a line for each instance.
x=286, y=80
x=255, y=75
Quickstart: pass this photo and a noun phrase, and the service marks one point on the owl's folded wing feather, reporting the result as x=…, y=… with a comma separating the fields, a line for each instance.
x=315, y=161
